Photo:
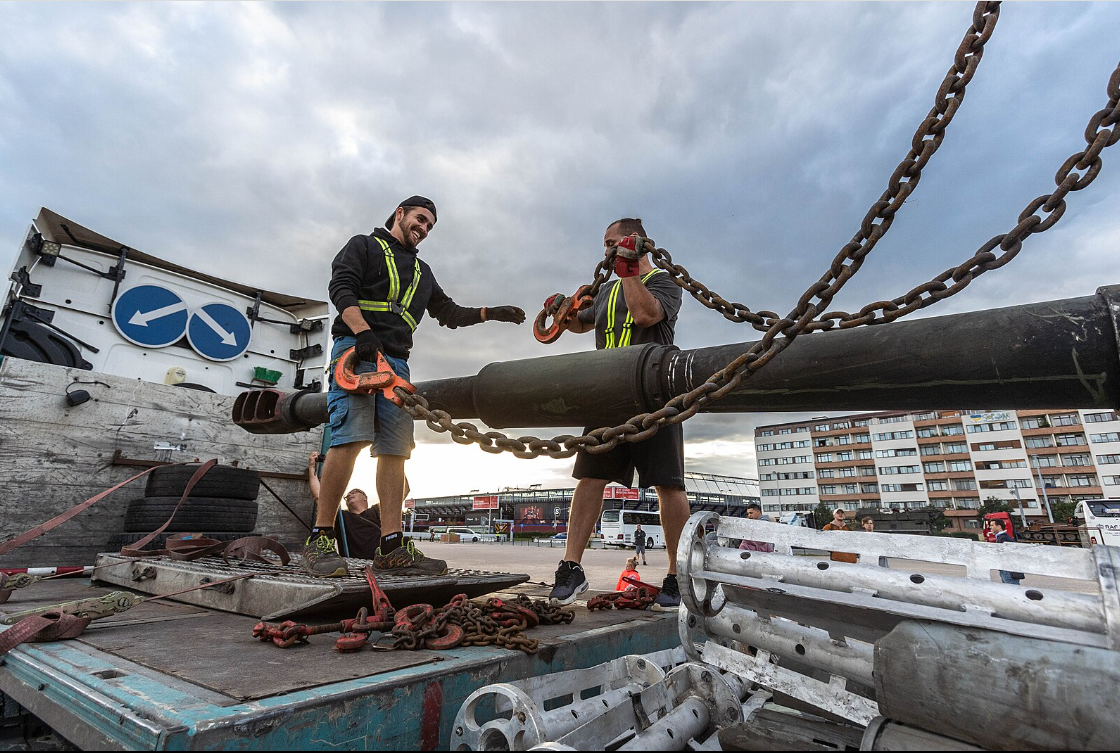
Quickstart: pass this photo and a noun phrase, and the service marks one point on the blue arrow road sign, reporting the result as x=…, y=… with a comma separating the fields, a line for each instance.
x=219, y=331
x=150, y=316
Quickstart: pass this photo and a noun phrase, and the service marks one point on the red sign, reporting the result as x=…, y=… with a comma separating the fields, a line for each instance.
x=486, y=503
x=409, y=503
x=620, y=492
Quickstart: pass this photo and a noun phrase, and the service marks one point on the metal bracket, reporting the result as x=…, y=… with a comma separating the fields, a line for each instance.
x=23, y=278
x=302, y=354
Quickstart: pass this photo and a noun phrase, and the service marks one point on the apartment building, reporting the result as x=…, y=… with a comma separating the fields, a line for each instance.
x=949, y=459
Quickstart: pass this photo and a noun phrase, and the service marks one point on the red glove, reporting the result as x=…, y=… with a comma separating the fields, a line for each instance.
x=626, y=259
x=553, y=302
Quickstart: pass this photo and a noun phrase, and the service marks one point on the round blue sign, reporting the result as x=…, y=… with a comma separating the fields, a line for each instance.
x=150, y=316
x=219, y=332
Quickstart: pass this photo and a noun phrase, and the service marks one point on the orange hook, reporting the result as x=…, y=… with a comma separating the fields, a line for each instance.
x=563, y=317
x=384, y=379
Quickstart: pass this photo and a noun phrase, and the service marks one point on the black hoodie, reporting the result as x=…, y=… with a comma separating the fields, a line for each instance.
x=359, y=273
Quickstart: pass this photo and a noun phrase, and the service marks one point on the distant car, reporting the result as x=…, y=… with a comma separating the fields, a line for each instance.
x=464, y=533
x=560, y=537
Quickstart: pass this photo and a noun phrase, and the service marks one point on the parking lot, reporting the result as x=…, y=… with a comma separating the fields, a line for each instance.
x=603, y=566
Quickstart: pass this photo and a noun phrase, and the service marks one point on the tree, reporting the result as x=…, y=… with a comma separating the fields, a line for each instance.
x=993, y=504
x=1063, y=510
x=822, y=515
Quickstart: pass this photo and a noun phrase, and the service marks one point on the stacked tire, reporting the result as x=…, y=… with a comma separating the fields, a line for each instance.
x=222, y=505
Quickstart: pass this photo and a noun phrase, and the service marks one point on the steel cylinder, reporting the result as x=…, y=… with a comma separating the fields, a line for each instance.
x=998, y=691
x=806, y=645
x=673, y=731
x=1062, y=609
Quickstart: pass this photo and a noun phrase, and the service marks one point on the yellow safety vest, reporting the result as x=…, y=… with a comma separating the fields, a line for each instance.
x=397, y=303
x=628, y=322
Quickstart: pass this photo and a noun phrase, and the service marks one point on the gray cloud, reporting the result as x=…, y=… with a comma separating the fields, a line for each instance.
x=253, y=140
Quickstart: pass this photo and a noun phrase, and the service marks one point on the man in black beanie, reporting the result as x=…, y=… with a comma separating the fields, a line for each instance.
x=381, y=290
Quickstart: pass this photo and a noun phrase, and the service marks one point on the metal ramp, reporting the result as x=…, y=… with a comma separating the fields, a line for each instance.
x=277, y=595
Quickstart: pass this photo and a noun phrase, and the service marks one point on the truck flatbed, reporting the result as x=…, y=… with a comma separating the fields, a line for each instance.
x=172, y=676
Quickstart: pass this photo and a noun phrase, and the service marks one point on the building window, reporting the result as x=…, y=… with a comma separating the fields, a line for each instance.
x=868, y=488
x=931, y=449
x=826, y=473
x=785, y=431
x=867, y=470
x=951, y=430
x=1070, y=440
x=847, y=472
x=955, y=448
x=1082, y=479
x=824, y=457
x=888, y=436
x=828, y=489
x=1111, y=480
x=862, y=438
x=861, y=422
x=960, y=465
x=1096, y=418
x=1111, y=436
x=1065, y=419
x=1045, y=461
x=849, y=489
x=938, y=485
x=766, y=433
x=842, y=425
x=927, y=431
x=1035, y=422
x=844, y=439
x=1034, y=443
x=820, y=427
x=936, y=467
x=864, y=454
x=767, y=461
x=1077, y=459
x=1108, y=459
x=963, y=484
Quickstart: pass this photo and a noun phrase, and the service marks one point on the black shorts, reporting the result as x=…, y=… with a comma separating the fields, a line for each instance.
x=658, y=460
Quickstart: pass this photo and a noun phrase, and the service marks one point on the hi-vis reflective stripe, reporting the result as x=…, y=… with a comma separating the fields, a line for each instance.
x=396, y=304
x=628, y=322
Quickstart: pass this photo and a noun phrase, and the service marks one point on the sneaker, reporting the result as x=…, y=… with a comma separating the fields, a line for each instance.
x=669, y=600
x=407, y=559
x=320, y=558
x=570, y=583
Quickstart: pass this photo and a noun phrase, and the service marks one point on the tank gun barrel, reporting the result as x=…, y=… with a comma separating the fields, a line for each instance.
x=1053, y=355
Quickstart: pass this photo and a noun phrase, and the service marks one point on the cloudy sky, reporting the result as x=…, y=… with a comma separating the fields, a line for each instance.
x=252, y=140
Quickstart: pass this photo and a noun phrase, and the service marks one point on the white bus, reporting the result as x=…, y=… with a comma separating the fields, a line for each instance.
x=1099, y=520
x=617, y=527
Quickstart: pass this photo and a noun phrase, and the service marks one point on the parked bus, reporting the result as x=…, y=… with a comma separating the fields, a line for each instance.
x=617, y=527
x=1099, y=520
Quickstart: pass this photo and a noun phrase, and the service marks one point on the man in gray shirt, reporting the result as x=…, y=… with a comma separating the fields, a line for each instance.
x=640, y=307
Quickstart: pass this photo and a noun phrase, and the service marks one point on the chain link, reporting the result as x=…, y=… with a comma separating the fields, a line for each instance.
x=807, y=315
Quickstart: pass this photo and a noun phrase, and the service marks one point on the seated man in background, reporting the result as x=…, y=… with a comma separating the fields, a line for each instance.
x=361, y=522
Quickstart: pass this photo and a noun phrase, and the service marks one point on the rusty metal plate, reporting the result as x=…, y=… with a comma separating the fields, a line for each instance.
x=291, y=592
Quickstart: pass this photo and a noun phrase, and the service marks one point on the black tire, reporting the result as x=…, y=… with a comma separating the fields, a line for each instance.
x=160, y=542
x=196, y=514
x=220, y=481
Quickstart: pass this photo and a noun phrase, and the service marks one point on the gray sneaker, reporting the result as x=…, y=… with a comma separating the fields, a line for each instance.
x=320, y=558
x=570, y=583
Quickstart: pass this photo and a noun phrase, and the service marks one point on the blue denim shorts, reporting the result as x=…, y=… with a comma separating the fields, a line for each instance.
x=352, y=416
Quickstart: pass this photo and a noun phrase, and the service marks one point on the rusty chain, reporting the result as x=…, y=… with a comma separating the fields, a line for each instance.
x=807, y=314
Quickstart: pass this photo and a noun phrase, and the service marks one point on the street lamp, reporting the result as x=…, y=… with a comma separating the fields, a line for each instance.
x=1042, y=485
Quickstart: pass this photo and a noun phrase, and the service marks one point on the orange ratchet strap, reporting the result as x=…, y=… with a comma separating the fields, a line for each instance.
x=384, y=379
x=563, y=317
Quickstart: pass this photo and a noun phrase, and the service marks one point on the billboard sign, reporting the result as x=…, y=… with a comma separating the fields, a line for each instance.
x=489, y=502
x=620, y=492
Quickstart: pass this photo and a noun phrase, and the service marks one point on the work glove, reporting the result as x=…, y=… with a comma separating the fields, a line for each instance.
x=626, y=258
x=367, y=346
x=553, y=303
x=505, y=314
